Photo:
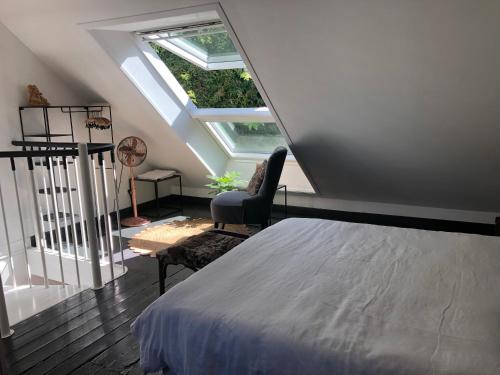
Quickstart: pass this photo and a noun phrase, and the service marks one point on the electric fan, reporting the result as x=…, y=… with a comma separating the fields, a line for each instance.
x=131, y=152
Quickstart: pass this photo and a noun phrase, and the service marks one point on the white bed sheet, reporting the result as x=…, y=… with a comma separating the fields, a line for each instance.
x=309, y=296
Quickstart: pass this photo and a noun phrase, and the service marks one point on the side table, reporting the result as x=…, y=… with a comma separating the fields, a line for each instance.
x=165, y=210
x=284, y=188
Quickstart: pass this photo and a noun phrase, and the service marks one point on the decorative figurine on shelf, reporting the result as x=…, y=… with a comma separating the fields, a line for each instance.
x=97, y=121
x=35, y=97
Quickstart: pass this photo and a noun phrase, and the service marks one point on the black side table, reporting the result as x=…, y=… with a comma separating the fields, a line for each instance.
x=165, y=210
x=284, y=188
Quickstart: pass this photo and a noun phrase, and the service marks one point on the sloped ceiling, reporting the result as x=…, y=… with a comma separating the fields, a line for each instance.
x=53, y=31
x=388, y=101
x=384, y=100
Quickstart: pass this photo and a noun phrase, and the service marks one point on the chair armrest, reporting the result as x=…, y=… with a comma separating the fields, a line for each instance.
x=253, y=200
x=256, y=209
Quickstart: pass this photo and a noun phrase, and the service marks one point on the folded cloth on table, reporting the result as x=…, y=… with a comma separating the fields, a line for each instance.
x=157, y=174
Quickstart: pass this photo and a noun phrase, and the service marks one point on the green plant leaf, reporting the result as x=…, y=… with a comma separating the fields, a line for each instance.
x=227, y=182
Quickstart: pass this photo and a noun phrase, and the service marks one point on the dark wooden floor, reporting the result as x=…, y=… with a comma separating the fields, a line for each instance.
x=89, y=333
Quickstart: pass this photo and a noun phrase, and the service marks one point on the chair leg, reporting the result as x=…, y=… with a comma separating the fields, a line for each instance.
x=162, y=268
x=223, y=226
x=216, y=225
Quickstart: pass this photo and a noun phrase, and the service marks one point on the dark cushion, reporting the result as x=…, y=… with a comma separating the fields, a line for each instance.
x=257, y=178
x=228, y=207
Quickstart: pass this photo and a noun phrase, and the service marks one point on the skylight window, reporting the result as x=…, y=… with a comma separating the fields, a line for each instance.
x=206, y=45
x=249, y=137
x=228, y=88
x=207, y=65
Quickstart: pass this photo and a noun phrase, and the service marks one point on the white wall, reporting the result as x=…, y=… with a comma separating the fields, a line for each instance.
x=19, y=67
x=292, y=175
x=391, y=102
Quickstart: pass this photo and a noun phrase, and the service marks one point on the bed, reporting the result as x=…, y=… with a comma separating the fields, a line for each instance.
x=310, y=296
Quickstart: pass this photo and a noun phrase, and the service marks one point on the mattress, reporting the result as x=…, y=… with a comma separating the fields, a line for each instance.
x=308, y=296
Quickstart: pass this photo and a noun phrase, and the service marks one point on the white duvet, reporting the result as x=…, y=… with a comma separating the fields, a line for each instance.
x=309, y=296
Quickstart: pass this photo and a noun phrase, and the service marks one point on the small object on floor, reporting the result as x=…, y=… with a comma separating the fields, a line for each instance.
x=157, y=238
x=157, y=174
x=197, y=251
x=35, y=97
x=135, y=221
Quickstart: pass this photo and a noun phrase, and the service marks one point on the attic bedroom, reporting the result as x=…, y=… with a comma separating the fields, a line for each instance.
x=235, y=187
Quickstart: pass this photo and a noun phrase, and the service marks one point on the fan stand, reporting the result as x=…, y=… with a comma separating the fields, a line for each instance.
x=134, y=221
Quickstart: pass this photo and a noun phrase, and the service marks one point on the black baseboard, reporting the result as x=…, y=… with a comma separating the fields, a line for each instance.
x=354, y=217
x=357, y=217
x=394, y=221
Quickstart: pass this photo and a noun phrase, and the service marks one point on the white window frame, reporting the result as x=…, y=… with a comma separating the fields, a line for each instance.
x=207, y=115
x=192, y=53
x=153, y=79
x=198, y=57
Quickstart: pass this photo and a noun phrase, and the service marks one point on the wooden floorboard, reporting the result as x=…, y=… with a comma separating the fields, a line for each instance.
x=79, y=312
x=91, y=317
x=97, y=347
x=87, y=330
x=91, y=334
x=52, y=312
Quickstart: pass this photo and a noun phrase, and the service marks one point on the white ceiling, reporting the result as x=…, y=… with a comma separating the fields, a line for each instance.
x=384, y=100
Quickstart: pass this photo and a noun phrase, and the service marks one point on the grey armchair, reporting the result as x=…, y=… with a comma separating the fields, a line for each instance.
x=239, y=207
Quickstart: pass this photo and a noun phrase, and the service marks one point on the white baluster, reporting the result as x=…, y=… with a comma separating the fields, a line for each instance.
x=55, y=210
x=19, y=210
x=7, y=238
x=89, y=208
x=72, y=218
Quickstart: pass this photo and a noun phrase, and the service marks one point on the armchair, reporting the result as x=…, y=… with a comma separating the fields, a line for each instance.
x=239, y=207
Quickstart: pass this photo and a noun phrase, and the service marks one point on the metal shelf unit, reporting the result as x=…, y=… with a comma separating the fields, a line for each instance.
x=70, y=110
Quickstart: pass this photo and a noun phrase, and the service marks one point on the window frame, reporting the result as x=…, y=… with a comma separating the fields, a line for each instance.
x=190, y=52
x=206, y=115
x=197, y=57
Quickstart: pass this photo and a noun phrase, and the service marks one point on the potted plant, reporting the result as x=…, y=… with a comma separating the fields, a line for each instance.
x=227, y=182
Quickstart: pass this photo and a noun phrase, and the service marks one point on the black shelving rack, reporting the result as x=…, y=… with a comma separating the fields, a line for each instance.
x=70, y=110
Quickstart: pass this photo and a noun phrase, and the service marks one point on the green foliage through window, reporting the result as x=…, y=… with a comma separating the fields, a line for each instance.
x=228, y=88
x=213, y=44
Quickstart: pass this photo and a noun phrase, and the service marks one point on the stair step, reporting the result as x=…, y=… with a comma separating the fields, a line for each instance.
x=58, y=190
x=54, y=163
x=61, y=216
x=45, y=135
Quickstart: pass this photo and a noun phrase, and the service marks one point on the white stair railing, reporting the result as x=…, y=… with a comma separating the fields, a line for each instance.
x=97, y=249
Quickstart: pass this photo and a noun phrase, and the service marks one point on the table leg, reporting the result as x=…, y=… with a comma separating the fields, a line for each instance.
x=181, y=205
x=286, y=203
x=158, y=213
x=162, y=275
